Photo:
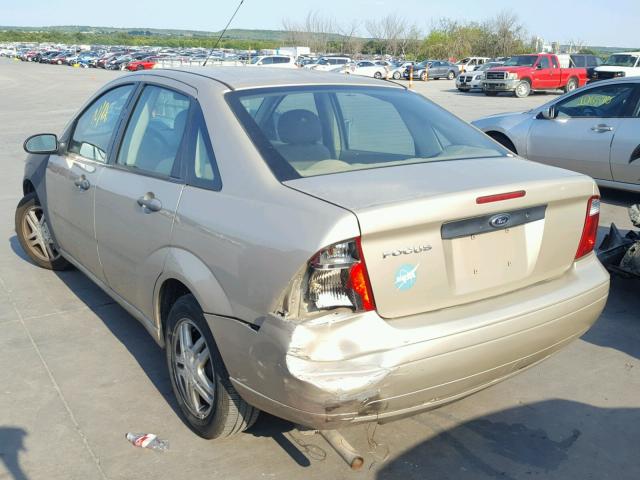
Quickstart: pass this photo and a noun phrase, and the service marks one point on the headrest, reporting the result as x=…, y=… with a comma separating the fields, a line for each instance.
x=299, y=126
x=180, y=122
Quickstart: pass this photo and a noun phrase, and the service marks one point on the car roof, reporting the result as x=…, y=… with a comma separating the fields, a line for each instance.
x=626, y=53
x=240, y=78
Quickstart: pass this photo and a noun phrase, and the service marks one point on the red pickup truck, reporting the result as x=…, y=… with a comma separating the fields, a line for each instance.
x=522, y=74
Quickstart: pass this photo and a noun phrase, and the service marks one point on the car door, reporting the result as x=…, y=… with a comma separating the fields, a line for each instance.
x=71, y=177
x=136, y=199
x=580, y=136
x=555, y=74
x=542, y=73
x=625, y=149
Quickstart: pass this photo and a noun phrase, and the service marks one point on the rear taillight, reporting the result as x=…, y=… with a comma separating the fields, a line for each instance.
x=337, y=277
x=590, y=230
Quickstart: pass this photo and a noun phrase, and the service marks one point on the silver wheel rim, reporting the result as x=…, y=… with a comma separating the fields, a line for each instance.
x=36, y=233
x=572, y=86
x=193, y=368
x=522, y=89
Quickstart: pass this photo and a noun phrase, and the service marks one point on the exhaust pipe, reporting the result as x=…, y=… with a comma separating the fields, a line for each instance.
x=343, y=448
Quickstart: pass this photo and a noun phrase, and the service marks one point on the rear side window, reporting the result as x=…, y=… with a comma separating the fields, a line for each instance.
x=155, y=130
x=309, y=131
x=96, y=126
x=579, y=61
x=202, y=168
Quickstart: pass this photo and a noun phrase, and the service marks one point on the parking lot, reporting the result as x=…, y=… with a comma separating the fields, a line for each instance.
x=77, y=372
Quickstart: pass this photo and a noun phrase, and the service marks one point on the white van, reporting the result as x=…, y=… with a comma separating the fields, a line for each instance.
x=623, y=64
x=469, y=64
x=278, y=61
x=328, y=63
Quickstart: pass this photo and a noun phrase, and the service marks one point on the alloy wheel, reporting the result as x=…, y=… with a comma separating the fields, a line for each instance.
x=193, y=368
x=35, y=230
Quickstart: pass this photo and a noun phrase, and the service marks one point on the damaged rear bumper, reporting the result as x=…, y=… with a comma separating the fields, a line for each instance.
x=347, y=368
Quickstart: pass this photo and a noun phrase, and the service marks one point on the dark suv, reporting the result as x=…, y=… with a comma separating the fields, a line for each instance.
x=588, y=61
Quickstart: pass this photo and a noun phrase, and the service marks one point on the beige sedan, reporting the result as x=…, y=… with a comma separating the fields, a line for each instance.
x=329, y=249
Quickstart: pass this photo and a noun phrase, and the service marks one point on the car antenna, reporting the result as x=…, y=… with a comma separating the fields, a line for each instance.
x=223, y=32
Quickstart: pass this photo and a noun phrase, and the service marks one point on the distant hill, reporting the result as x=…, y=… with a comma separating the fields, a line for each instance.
x=232, y=33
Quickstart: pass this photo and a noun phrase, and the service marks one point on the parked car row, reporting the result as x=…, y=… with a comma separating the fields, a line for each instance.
x=110, y=58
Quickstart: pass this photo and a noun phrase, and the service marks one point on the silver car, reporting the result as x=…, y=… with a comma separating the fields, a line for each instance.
x=593, y=130
x=330, y=249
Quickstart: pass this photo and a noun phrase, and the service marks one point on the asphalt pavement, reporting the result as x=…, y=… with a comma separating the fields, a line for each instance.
x=77, y=372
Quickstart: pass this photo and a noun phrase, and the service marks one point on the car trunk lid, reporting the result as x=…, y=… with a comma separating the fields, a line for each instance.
x=429, y=243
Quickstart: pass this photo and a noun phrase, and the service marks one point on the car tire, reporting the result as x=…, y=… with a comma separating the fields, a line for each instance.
x=571, y=85
x=397, y=75
x=34, y=235
x=523, y=89
x=451, y=75
x=139, y=67
x=423, y=76
x=224, y=413
x=377, y=75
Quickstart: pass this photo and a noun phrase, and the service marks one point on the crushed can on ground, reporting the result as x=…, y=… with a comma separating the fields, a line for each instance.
x=147, y=440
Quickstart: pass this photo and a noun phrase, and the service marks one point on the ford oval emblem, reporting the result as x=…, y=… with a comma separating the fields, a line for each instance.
x=500, y=220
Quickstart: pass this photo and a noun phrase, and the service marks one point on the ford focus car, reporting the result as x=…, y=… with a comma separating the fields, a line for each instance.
x=329, y=249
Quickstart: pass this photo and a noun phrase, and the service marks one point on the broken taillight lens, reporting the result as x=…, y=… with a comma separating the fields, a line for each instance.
x=338, y=277
x=590, y=229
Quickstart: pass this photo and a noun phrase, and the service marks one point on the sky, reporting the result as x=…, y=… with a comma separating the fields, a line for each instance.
x=612, y=23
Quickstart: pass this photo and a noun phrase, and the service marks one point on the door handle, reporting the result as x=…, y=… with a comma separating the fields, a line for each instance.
x=602, y=128
x=82, y=183
x=150, y=202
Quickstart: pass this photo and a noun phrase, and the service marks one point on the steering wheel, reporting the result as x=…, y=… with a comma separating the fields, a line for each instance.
x=589, y=111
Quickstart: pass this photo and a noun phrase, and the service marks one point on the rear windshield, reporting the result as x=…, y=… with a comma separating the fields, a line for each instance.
x=310, y=131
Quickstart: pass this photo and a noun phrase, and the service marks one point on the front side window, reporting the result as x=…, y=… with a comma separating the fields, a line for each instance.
x=309, y=131
x=96, y=126
x=544, y=62
x=154, y=133
x=605, y=101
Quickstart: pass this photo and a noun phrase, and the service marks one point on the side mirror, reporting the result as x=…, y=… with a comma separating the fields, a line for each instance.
x=42, y=144
x=539, y=66
x=547, y=114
